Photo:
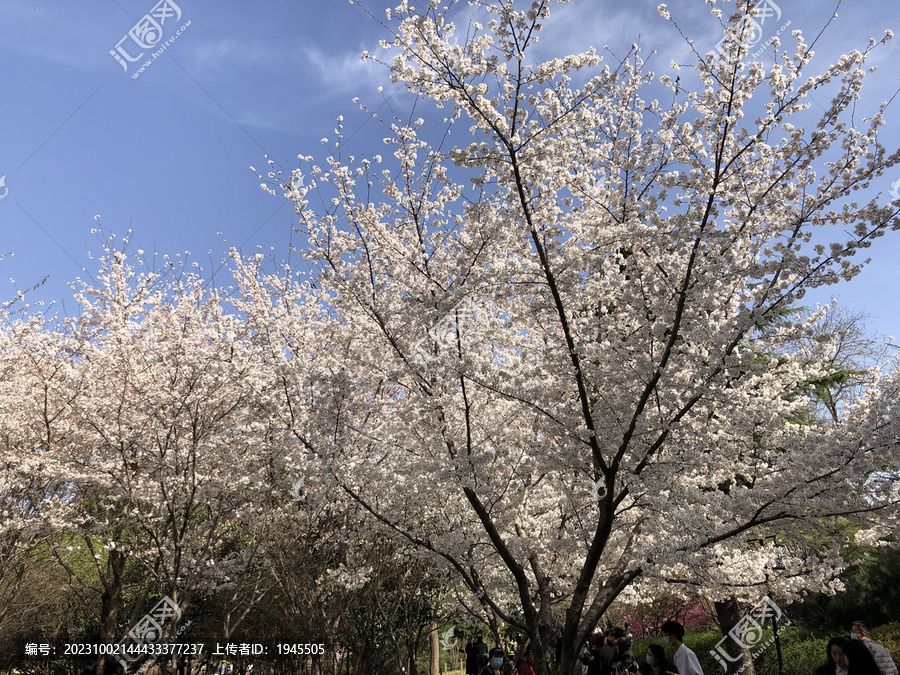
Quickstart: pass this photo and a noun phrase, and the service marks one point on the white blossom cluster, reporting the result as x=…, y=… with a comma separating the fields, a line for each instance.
x=632, y=264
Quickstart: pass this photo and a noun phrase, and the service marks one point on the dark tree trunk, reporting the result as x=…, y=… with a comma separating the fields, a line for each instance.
x=110, y=602
x=738, y=660
x=435, y=643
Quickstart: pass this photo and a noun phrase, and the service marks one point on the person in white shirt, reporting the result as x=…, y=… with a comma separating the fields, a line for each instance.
x=686, y=662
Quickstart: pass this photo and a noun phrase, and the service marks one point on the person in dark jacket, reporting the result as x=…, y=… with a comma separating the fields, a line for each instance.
x=470, y=657
x=859, y=659
x=608, y=650
x=596, y=661
x=476, y=651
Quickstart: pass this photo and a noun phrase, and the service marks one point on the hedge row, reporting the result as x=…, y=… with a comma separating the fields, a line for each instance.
x=802, y=650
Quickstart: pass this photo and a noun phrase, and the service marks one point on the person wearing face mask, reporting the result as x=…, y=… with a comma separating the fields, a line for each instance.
x=655, y=662
x=497, y=661
x=860, y=631
x=623, y=662
x=686, y=662
x=837, y=661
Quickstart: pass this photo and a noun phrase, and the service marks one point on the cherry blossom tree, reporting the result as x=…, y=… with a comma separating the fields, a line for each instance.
x=29, y=498
x=546, y=355
x=144, y=412
x=169, y=407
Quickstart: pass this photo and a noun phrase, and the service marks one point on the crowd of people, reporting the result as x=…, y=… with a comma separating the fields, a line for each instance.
x=607, y=653
x=610, y=653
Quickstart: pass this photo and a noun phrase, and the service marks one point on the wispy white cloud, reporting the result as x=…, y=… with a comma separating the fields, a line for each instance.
x=223, y=55
x=338, y=71
x=571, y=29
x=343, y=72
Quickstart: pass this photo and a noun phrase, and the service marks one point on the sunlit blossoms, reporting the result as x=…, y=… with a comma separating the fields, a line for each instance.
x=550, y=348
x=627, y=267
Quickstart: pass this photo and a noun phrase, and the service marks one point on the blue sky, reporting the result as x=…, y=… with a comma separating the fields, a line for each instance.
x=168, y=153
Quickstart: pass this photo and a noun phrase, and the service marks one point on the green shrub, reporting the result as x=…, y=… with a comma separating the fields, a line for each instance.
x=889, y=636
x=802, y=650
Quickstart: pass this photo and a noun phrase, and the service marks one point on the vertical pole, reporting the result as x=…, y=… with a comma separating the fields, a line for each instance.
x=781, y=670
